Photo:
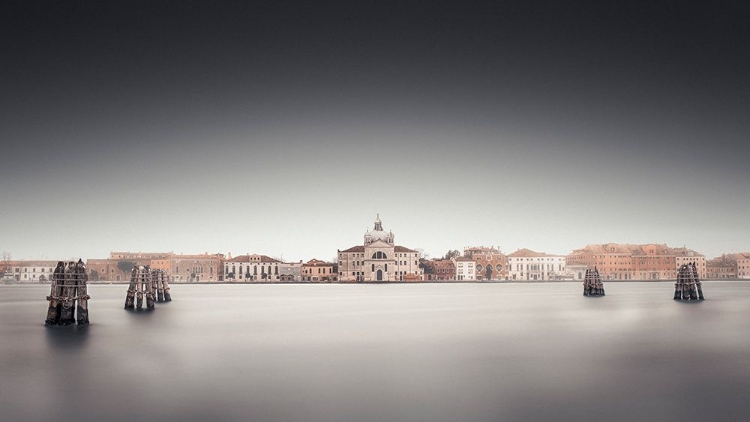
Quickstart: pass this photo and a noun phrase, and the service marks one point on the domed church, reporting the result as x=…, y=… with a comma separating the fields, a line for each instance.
x=379, y=259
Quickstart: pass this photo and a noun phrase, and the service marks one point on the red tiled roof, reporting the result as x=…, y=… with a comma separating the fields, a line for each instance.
x=402, y=249
x=246, y=258
x=528, y=253
x=317, y=263
x=355, y=249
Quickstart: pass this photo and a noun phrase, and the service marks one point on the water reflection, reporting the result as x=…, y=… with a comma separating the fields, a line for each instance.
x=67, y=337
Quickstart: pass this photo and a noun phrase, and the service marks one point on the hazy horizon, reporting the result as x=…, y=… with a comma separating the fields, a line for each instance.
x=283, y=128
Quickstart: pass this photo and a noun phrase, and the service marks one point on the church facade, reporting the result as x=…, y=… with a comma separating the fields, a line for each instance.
x=378, y=259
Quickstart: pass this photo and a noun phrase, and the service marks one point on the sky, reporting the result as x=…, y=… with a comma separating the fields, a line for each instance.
x=282, y=128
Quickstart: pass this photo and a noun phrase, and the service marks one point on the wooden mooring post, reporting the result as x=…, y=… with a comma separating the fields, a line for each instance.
x=140, y=284
x=160, y=284
x=592, y=283
x=688, y=286
x=68, y=290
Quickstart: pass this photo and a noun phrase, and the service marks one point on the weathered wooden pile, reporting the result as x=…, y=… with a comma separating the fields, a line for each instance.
x=688, y=286
x=68, y=291
x=140, y=285
x=160, y=283
x=592, y=283
x=154, y=284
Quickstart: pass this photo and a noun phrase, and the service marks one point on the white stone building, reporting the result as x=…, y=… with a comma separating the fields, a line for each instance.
x=525, y=264
x=32, y=271
x=379, y=259
x=248, y=268
x=465, y=269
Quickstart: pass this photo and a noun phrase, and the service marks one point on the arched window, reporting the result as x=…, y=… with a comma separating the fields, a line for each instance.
x=373, y=267
x=379, y=255
x=386, y=267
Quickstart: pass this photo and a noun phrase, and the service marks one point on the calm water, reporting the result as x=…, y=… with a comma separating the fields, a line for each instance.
x=433, y=352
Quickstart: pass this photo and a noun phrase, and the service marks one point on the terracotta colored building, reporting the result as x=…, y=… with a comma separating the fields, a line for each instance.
x=439, y=269
x=489, y=263
x=721, y=268
x=743, y=265
x=186, y=268
x=650, y=261
x=316, y=270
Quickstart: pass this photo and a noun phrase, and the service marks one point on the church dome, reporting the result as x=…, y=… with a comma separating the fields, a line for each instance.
x=377, y=233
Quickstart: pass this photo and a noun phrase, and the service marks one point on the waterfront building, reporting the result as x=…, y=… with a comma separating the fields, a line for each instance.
x=317, y=271
x=378, y=259
x=489, y=263
x=186, y=268
x=465, y=268
x=439, y=269
x=290, y=271
x=525, y=264
x=32, y=271
x=112, y=269
x=722, y=268
x=743, y=266
x=197, y=268
x=651, y=261
x=253, y=267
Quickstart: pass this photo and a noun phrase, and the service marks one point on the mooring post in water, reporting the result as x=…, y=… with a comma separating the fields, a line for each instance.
x=697, y=282
x=592, y=283
x=130, y=298
x=148, y=287
x=586, y=290
x=53, y=312
x=68, y=295
x=138, y=289
x=688, y=285
x=167, y=291
x=82, y=313
x=68, y=290
x=156, y=277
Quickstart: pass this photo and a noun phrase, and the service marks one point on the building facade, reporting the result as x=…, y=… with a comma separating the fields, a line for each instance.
x=378, y=259
x=317, y=271
x=439, y=270
x=651, y=261
x=489, y=263
x=465, y=268
x=528, y=265
x=290, y=271
x=182, y=268
x=249, y=268
x=33, y=271
x=743, y=266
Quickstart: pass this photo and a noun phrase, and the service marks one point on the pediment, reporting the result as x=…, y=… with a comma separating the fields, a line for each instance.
x=379, y=244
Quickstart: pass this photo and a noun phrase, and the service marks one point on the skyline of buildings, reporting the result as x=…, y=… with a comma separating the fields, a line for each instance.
x=380, y=259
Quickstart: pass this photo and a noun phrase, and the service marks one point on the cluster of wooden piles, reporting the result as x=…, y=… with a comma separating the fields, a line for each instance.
x=592, y=283
x=688, y=286
x=160, y=283
x=68, y=292
x=148, y=282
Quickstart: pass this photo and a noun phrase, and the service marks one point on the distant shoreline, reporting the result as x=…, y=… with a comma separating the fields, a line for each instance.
x=378, y=282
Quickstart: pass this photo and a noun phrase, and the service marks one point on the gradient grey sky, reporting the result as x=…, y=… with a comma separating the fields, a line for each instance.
x=282, y=128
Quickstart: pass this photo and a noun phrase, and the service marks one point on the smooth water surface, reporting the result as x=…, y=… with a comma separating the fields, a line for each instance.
x=411, y=352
